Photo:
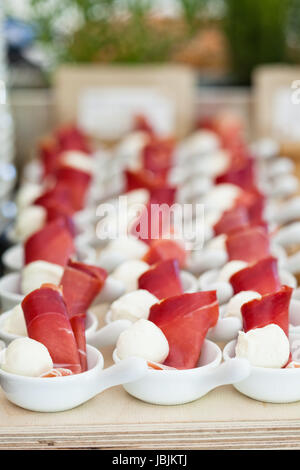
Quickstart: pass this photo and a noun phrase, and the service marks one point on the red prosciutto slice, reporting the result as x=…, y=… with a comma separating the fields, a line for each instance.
x=271, y=308
x=157, y=156
x=163, y=195
x=231, y=220
x=78, y=183
x=81, y=283
x=185, y=320
x=49, y=155
x=78, y=327
x=142, y=124
x=250, y=244
x=162, y=279
x=261, y=277
x=53, y=243
x=143, y=179
x=71, y=138
x=47, y=321
x=165, y=249
x=241, y=174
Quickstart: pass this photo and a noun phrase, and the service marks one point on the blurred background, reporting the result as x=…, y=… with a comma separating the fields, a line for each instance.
x=223, y=43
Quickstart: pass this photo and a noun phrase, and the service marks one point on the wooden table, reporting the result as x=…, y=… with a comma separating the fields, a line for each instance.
x=223, y=419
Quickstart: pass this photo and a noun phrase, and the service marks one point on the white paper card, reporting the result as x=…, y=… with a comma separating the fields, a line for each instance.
x=108, y=112
x=285, y=115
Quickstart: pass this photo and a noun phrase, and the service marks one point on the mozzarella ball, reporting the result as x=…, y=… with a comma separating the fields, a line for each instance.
x=231, y=268
x=133, y=306
x=40, y=272
x=264, y=347
x=78, y=160
x=129, y=273
x=30, y=220
x=131, y=147
x=217, y=243
x=221, y=197
x=129, y=247
x=234, y=306
x=200, y=142
x=25, y=356
x=27, y=194
x=15, y=322
x=143, y=339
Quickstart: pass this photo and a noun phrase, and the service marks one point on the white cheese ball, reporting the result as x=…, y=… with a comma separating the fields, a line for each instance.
x=129, y=273
x=201, y=141
x=143, y=339
x=30, y=220
x=15, y=322
x=231, y=268
x=213, y=164
x=217, y=243
x=234, y=306
x=264, y=347
x=133, y=306
x=25, y=356
x=137, y=196
x=221, y=197
x=27, y=194
x=129, y=247
x=40, y=272
x=78, y=160
x=129, y=150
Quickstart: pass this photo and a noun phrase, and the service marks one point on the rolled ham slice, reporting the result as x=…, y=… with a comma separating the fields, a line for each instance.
x=249, y=244
x=185, y=320
x=271, y=308
x=261, y=277
x=78, y=327
x=161, y=250
x=47, y=321
x=71, y=138
x=81, y=283
x=53, y=243
x=162, y=279
x=78, y=183
x=143, y=179
x=232, y=219
x=241, y=174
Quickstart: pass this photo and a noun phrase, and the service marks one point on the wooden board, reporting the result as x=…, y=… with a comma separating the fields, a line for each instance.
x=174, y=82
x=223, y=419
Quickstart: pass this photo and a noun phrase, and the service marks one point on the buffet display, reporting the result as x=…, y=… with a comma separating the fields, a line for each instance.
x=90, y=232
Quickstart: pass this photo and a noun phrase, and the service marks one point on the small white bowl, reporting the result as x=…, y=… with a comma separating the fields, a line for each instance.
x=268, y=385
x=174, y=387
x=63, y=393
x=91, y=327
x=208, y=281
x=10, y=288
x=226, y=328
x=13, y=257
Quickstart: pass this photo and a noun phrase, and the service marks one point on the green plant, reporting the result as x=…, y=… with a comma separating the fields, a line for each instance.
x=256, y=33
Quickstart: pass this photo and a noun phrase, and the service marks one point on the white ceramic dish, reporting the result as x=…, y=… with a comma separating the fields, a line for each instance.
x=10, y=291
x=208, y=259
x=63, y=393
x=174, y=387
x=227, y=328
x=106, y=336
x=269, y=385
x=13, y=257
x=283, y=213
x=91, y=327
x=208, y=281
